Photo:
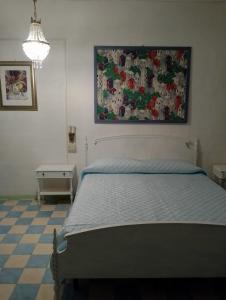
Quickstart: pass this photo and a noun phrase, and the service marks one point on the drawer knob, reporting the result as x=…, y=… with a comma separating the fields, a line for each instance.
x=43, y=174
x=64, y=174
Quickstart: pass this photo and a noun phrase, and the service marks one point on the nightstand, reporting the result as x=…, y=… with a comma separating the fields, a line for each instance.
x=219, y=172
x=55, y=180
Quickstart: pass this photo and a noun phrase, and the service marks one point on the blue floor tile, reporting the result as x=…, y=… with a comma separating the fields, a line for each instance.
x=56, y=221
x=46, y=238
x=3, y=259
x=48, y=278
x=24, y=221
x=33, y=208
x=38, y=261
x=4, y=229
x=5, y=207
x=36, y=229
x=44, y=214
x=25, y=292
x=25, y=202
x=12, y=238
x=24, y=249
x=14, y=214
x=10, y=275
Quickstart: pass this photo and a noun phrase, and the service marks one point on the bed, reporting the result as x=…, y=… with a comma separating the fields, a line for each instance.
x=146, y=214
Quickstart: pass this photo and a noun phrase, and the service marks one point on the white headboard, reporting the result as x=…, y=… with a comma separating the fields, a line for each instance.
x=142, y=147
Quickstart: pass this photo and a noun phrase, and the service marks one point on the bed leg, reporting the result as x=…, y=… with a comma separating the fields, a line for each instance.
x=57, y=282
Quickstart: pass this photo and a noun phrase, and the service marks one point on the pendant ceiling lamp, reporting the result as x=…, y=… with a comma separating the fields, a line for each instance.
x=36, y=47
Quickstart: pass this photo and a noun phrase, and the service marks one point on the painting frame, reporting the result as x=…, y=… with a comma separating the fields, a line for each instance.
x=103, y=57
x=17, y=86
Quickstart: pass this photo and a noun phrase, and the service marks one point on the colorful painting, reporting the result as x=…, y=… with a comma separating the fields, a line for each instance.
x=17, y=86
x=141, y=84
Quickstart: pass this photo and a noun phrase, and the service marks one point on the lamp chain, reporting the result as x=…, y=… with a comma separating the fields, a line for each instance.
x=35, y=12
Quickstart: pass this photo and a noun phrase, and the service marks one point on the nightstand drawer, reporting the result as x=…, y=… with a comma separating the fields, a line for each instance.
x=55, y=174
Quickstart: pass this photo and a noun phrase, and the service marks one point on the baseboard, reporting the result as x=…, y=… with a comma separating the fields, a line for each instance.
x=17, y=197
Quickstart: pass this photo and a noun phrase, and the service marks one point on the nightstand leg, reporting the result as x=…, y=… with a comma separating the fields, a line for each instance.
x=39, y=198
x=71, y=190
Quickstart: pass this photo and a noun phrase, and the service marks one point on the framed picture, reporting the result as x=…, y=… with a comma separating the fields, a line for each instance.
x=17, y=86
x=141, y=84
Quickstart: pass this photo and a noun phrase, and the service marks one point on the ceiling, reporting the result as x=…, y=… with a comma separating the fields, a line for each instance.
x=63, y=18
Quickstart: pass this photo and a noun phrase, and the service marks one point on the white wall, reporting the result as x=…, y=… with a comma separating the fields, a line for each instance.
x=148, y=23
x=28, y=138
x=40, y=136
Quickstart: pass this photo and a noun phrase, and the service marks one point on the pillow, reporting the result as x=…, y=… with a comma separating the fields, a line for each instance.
x=136, y=166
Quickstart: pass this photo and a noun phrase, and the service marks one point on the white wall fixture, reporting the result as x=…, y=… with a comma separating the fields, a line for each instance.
x=36, y=47
x=72, y=139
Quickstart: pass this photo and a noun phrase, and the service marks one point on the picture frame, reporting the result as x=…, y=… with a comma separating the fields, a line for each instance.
x=142, y=84
x=17, y=86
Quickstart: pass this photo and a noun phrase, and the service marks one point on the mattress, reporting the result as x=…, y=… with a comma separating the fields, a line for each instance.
x=121, y=192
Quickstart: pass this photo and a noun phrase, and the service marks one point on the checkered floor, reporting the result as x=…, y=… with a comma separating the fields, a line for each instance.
x=26, y=234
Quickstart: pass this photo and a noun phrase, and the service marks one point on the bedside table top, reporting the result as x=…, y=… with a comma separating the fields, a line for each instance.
x=220, y=167
x=219, y=171
x=55, y=168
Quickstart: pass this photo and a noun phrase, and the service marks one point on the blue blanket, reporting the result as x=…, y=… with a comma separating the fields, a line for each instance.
x=119, y=192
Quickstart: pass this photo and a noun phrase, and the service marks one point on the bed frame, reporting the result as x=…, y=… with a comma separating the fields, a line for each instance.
x=142, y=250
x=142, y=147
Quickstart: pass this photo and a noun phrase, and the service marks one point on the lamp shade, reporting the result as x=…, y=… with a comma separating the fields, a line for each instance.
x=36, y=46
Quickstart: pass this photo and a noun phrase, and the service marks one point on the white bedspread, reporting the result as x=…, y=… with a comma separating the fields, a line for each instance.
x=117, y=199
